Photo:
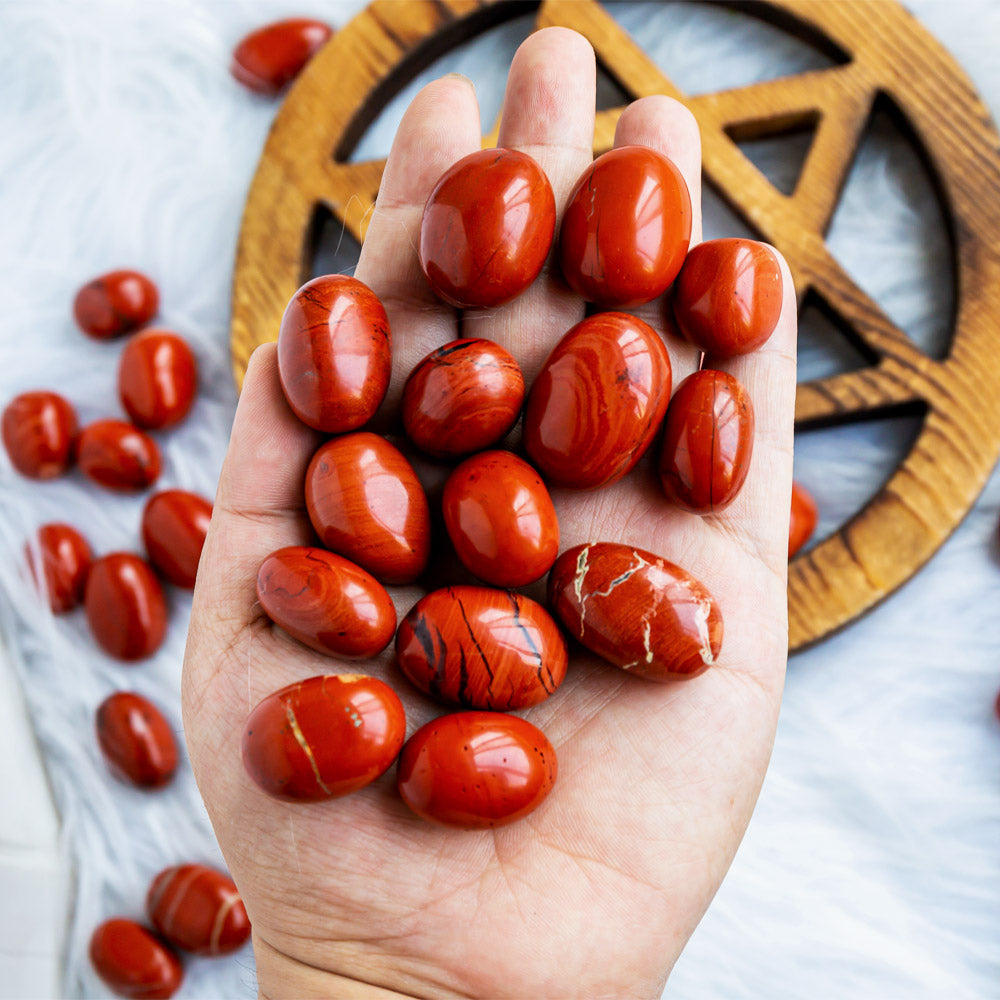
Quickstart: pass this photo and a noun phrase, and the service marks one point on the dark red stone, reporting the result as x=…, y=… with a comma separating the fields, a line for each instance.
x=174, y=526
x=157, y=378
x=66, y=559
x=115, y=303
x=118, y=455
x=39, y=429
x=134, y=962
x=125, y=606
x=136, y=740
x=271, y=57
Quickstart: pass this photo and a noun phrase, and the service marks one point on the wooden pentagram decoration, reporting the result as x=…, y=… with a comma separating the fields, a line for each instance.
x=887, y=52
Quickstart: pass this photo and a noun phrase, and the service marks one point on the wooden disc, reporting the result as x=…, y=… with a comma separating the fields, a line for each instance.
x=887, y=52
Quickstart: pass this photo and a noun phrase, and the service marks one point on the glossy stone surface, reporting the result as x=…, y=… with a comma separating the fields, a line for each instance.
x=326, y=602
x=38, y=432
x=133, y=962
x=157, y=378
x=271, y=57
x=476, y=770
x=174, y=526
x=481, y=648
x=727, y=298
x=463, y=397
x=804, y=517
x=137, y=741
x=707, y=442
x=115, y=303
x=323, y=737
x=636, y=610
x=198, y=909
x=598, y=401
x=334, y=353
x=66, y=558
x=118, y=455
x=487, y=228
x=366, y=504
x=500, y=518
x=626, y=228
x=125, y=606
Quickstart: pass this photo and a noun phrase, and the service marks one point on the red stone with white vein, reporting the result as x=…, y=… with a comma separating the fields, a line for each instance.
x=636, y=610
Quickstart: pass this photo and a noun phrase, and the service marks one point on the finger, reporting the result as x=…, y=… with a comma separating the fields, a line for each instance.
x=440, y=126
x=663, y=124
x=548, y=113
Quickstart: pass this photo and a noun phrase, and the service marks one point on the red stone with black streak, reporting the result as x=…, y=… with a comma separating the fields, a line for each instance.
x=66, y=560
x=115, y=303
x=118, y=455
x=481, y=648
x=636, y=610
x=271, y=57
x=134, y=962
x=136, y=740
x=39, y=429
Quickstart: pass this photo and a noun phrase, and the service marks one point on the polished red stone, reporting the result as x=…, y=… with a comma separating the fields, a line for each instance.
x=134, y=962
x=125, y=606
x=334, y=353
x=118, y=455
x=462, y=398
x=326, y=602
x=136, y=740
x=38, y=432
x=707, y=442
x=487, y=228
x=636, y=610
x=598, y=401
x=476, y=770
x=323, y=737
x=271, y=57
x=500, y=518
x=366, y=504
x=481, y=648
x=174, y=526
x=115, y=303
x=626, y=228
x=66, y=558
x=804, y=517
x=727, y=298
x=157, y=378
x=198, y=909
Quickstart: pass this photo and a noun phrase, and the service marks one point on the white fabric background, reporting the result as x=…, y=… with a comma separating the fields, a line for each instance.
x=872, y=865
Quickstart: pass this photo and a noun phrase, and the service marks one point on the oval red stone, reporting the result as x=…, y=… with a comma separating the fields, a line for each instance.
x=137, y=741
x=66, y=560
x=804, y=516
x=174, y=526
x=133, y=962
x=157, y=378
x=115, y=303
x=271, y=57
x=38, y=432
x=125, y=606
x=118, y=455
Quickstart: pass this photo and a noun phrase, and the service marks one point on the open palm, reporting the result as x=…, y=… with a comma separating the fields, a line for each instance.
x=595, y=893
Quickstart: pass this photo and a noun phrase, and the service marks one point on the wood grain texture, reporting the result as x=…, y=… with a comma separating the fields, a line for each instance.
x=884, y=54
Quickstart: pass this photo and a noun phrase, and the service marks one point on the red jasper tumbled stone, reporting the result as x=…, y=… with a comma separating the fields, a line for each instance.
x=481, y=648
x=804, y=515
x=134, y=962
x=118, y=455
x=39, y=429
x=334, y=353
x=636, y=610
x=487, y=228
x=174, y=526
x=500, y=518
x=323, y=737
x=271, y=57
x=626, y=228
x=66, y=558
x=476, y=770
x=727, y=298
x=125, y=606
x=136, y=740
x=461, y=398
x=115, y=303
x=707, y=442
x=598, y=401
x=366, y=504
x=157, y=378
x=198, y=909
x=326, y=602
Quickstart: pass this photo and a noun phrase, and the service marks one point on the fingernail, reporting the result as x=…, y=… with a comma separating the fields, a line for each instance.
x=460, y=76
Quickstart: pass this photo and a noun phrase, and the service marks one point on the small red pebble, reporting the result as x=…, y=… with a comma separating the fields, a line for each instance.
x=125, y=606
x=115, y=303
x=272, y=56
x=118, y=455
x=198, y=909
x=66, y=559
x=174, y=526
x=802, y=522
x=136, y=740
x=134, y=962
x=38, y=432
x=157, y=378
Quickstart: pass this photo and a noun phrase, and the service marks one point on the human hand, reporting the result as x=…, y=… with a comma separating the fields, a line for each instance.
x=596, y=892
